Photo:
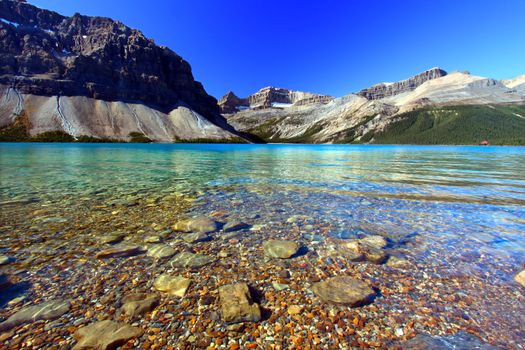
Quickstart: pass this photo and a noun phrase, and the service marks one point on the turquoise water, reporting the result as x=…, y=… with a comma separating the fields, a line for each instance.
x=457, y=214
x=477, y=192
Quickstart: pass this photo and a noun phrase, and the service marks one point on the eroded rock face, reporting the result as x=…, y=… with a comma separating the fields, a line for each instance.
x=97, y=57
x=383, y=90
x=48, y=310
x=237, y=305
x=105, y=335
x=344, y=290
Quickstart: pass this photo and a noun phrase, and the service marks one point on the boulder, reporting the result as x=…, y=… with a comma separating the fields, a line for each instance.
x=281, y=249
x=48, y=310
x=237, y=305
x=344, y=290
x=173, y=285
x=105, y=335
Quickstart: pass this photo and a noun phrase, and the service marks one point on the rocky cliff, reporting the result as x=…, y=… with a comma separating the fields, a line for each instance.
x=270, y=97
x=46, y=54
x=383, y=90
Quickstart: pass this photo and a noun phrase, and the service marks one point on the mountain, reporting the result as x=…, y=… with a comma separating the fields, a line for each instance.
x=270, y=97
x=432, y=107
x=97, y=77
x=383, y=90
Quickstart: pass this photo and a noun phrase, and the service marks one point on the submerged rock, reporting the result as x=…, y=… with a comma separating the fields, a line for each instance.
x=105, y=335
x=357, y=250
x=395, y=261
x=173, y=285
x=376, y=241
x=520, y=278
x=137, y=304
x=4, y=260
x=4, y=282
x=237, y=305
x=187, y=259
x=160, y=251
x=344, y=290
x=350, y=252
x=152, y=239
x=235, y=225
x=458, y=341
x=195, y=237
x=118, y=251
x=280, y=249
x=48, y=310
x=200, y=224
x=111, y=238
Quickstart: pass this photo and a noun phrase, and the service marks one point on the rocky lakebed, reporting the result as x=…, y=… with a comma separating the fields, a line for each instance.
x=135, y=260
x=154, y=273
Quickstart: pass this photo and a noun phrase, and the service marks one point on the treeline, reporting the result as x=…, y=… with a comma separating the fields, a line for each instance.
x=460, y=125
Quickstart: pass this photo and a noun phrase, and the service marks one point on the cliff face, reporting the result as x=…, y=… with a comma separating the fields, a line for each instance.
x=44, y=53
x=383, y=90
x=269, y=97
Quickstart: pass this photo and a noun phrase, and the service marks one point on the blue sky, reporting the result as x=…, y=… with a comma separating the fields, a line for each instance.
x=332, y=47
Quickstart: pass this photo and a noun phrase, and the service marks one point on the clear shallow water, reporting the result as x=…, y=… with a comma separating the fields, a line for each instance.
x=461, y=209
x=453, y=191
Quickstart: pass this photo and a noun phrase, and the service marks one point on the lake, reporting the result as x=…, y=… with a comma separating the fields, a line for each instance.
x=453, y=219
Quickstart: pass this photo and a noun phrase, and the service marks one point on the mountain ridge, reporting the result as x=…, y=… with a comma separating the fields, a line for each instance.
x=373, y=110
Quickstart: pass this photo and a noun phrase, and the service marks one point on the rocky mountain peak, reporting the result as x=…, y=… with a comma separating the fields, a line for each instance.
x=383, y=90
x=230, y=103
x=270, y=97
x=45, y=53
